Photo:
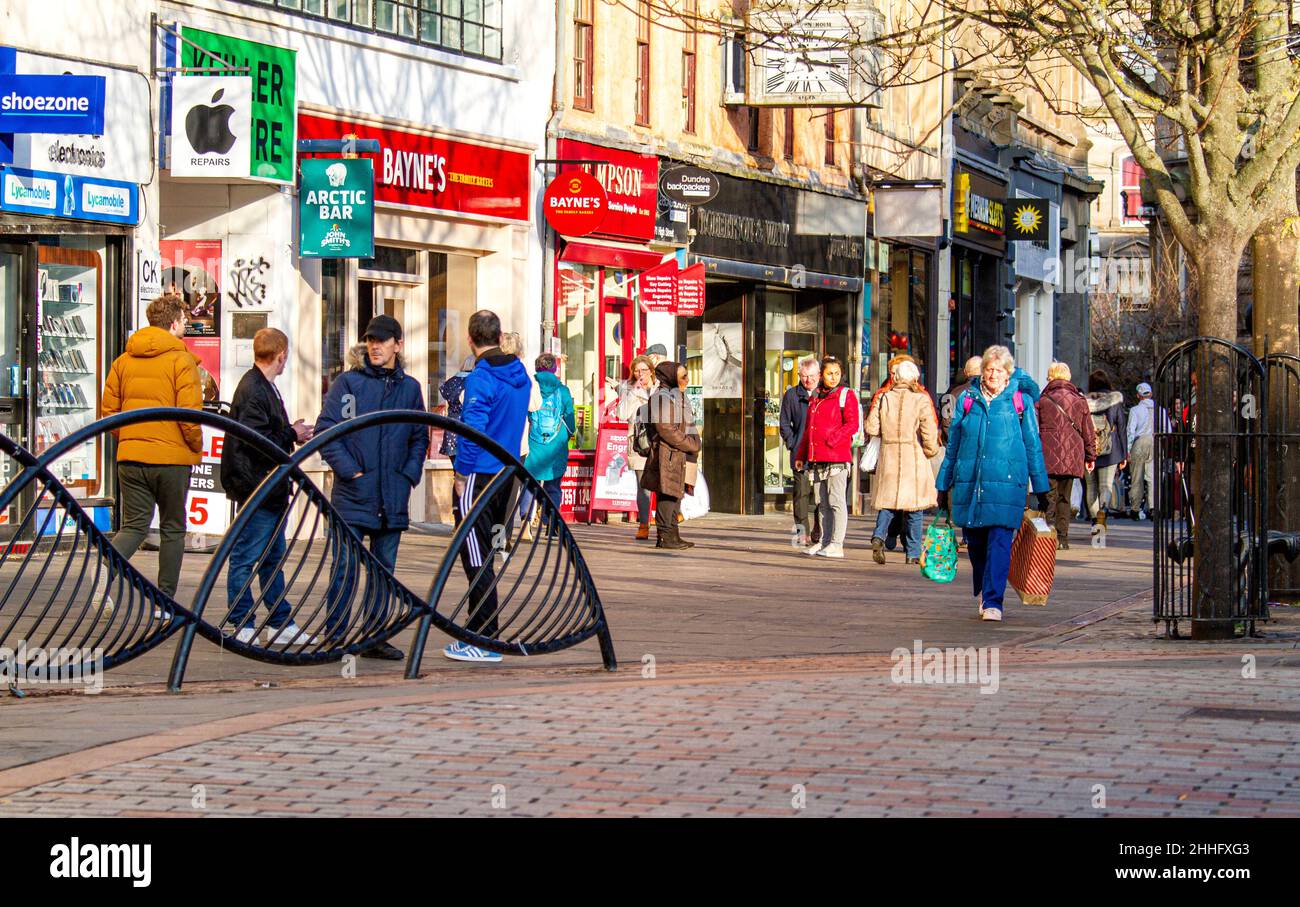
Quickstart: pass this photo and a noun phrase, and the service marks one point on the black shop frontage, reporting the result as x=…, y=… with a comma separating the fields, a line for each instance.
x=784, y=281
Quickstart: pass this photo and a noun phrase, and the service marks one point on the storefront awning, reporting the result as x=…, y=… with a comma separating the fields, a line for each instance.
x=611, y=255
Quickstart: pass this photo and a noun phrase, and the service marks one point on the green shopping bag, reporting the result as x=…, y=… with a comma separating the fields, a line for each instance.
x=939, y=550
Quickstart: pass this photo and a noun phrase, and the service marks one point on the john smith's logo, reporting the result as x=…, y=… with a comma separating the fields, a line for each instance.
x=335, y=238
x=208, y=128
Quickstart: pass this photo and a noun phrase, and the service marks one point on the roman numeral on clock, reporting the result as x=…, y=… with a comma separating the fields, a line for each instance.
x=774, y=82
x=840, y=79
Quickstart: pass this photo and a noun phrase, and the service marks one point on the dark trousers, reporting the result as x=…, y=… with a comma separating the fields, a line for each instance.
x=344, y=577
x=642, y=500
x=990, y=559
x=803, y=501
x=262, y=538
x=1058, y=504
x=478, y=550
x=145, y=486
x=666, y=510
x=552, y=489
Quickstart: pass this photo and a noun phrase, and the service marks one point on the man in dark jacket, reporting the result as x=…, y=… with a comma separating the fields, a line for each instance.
x=374, y=469
x=257, y=405
x=496, y=404
x=794, y=413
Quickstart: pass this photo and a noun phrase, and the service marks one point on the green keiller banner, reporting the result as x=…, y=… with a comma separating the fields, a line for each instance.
x=336, y=208
x=273, y=73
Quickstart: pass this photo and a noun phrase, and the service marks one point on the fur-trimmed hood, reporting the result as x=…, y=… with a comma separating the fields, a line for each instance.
x=1100, y=401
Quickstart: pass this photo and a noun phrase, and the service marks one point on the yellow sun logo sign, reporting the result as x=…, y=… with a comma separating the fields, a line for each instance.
x=1027, y=219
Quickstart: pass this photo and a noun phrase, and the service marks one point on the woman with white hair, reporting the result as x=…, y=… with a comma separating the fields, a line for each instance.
x=994, y=456
x=904, y=420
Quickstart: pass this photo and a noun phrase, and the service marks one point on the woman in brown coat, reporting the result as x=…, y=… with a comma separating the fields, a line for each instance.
x=904, y=419
x=1069, y=443
x=674, y=443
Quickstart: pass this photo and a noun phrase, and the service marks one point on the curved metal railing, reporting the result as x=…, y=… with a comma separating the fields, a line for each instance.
x=64, y=586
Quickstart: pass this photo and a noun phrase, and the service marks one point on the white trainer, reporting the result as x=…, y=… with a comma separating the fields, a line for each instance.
x=814, y=550
x=991, y=614
x=246, y=635
x=832, y=551
x=290, y=633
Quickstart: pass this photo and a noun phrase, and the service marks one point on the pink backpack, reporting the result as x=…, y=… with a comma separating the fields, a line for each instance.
x=1017, y=400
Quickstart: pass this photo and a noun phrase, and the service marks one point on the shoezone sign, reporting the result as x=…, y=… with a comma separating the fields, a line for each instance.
x=336, y=208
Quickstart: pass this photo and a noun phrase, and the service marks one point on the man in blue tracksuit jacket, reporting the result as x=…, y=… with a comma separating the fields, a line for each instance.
x=496, y=404
x=374, y=469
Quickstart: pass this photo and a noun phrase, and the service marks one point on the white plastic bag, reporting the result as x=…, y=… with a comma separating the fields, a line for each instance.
x=1076, y=496
x=870, y=455
x=696, y=505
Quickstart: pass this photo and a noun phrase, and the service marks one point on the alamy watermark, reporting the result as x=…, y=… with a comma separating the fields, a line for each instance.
x=952, y=665
x=37, y=665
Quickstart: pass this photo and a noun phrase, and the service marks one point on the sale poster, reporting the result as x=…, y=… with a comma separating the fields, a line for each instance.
x=614, y=481
x=207, y=509
x=192, y=269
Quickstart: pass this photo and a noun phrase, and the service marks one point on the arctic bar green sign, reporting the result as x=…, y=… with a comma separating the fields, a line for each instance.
x=273, y=73
x=336, y=208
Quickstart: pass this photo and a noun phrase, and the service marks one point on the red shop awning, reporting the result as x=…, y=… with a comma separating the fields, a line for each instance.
x=611, y=256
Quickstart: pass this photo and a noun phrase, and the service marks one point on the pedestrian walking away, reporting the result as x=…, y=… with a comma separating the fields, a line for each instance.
x=154, y=459
x=1069, y=445
x=794, y=416
x=452, y=392
x=675, y=443
x=549, y=431
x=638, y=395
x=904, y=420
x=1141, y=444
x=994, y=456
x=948, y=402
x=826, y=449
x=1110, y=428
x=260, y=545
x=497, y=403
x=375, y=470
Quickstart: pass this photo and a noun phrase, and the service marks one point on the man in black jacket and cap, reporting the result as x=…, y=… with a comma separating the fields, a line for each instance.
x=794, y=413
x=257, y=404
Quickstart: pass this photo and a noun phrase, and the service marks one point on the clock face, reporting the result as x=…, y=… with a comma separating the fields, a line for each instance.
x=793, y=71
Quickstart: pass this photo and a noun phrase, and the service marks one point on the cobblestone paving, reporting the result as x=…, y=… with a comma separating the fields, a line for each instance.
x=846, y=743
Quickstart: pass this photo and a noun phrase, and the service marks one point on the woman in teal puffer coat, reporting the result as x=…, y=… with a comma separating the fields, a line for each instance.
x=994, y=457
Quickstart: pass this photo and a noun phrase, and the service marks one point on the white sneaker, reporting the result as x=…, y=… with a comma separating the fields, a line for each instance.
x=832, y=551
x=990, y=614
x=290, y=633
x=246, y=635
x=106, y=606
x=813, y=550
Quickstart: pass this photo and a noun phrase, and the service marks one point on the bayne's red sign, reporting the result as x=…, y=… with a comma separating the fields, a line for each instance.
x=690, y=291
x=440, y=174
x=631, y=181
x=658, y=287
x=574, y=203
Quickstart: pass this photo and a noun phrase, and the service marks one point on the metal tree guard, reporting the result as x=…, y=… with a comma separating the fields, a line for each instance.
x=1282, y=476
x=1210, y=396
x=64, y=587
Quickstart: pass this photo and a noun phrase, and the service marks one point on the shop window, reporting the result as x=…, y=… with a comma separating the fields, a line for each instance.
x=575, y=317
x=1131, y=189
x=452, y=300
x=334, y=321
x=902, y=318
x=392, y=260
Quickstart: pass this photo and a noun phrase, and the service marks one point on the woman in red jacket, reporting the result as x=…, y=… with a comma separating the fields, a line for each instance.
x=826, y=449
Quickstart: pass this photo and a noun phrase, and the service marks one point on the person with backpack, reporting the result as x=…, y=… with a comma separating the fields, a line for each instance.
x=549, y=430
x=1069, y=444
x=453, y=392
x=639, y=388
x=994, y=457
x=826, y=450
x=905, y=422
x=1110, y=429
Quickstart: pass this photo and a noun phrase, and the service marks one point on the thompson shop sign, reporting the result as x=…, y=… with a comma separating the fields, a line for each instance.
x=753, y=221
x=434, y=173
x=631, y=183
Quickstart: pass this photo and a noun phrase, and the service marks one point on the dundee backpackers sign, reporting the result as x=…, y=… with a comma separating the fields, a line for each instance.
x=336, y=208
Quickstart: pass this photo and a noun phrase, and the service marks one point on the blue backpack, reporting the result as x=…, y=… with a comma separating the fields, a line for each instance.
x=546, y=423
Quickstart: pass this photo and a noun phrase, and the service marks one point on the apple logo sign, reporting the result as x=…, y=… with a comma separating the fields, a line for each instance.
x=208, y=128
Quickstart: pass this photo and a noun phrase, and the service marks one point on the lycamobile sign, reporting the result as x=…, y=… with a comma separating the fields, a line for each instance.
x=336, y=208
x=272, y=72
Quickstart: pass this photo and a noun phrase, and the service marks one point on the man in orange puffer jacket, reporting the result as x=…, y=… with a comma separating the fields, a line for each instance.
x=154, y=458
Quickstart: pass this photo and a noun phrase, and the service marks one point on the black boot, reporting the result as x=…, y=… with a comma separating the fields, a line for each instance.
x=670, y=537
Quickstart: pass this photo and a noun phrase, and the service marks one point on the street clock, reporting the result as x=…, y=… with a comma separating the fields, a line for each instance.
x=797, y=60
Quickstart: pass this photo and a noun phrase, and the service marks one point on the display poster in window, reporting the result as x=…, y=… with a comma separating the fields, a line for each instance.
x=208, y=351
x=723, y=355
x=207, y=509
x=575, y=486
x=192, y=269
x=613, y=480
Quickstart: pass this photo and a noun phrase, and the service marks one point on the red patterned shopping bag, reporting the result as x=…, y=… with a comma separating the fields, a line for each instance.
x=1033, y=559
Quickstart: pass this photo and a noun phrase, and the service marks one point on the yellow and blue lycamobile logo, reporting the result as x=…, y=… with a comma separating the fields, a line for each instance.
x=1029, y=219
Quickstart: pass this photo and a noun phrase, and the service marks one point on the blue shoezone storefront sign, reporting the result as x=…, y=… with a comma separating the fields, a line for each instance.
x=66, y=195
x=65, y=105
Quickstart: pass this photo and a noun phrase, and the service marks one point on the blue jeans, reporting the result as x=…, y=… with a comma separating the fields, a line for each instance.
x=343, y=581
x=552, y=489
x=915, y=520
x=263, y=533
x=990, y=558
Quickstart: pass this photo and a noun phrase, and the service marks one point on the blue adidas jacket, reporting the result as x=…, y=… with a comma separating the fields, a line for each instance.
x=390, y=457
x=994, y=457
x=496, y=403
